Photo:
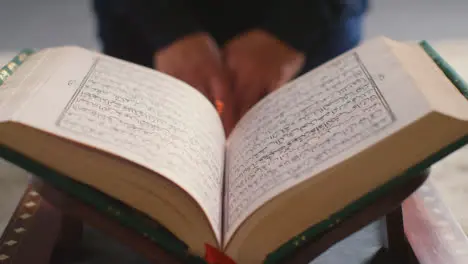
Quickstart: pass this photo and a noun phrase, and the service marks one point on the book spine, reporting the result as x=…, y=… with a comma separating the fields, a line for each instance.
x=7, y=70
x=446, y=68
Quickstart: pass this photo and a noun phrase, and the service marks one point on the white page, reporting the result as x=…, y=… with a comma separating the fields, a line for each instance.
x=134, y=112
x=313, y=123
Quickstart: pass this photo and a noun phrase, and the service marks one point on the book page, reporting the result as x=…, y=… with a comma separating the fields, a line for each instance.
x=314, y=122
x=139, y=114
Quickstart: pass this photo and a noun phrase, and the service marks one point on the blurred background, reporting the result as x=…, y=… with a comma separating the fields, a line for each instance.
x=45, y=23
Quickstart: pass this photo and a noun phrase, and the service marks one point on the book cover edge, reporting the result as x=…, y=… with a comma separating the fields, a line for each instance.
x=445, y=67
x=123, y=214
x=8, y=69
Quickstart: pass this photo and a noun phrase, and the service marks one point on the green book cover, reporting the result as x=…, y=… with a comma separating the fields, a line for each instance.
x=14, y=63
x=138, y=222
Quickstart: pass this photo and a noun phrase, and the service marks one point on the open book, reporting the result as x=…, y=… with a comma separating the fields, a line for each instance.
x=299, y=156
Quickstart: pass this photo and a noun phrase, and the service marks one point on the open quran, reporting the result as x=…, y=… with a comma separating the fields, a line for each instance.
x=150, y=151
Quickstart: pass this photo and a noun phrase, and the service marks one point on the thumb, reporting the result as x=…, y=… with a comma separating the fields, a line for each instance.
x=223, y=100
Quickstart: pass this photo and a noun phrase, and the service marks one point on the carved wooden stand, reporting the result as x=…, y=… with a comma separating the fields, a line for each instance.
x=51, y=233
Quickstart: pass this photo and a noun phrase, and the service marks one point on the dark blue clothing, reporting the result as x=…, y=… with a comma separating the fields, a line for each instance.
x=134, y=29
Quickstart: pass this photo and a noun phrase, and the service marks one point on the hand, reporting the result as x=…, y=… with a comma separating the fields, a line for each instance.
x=258, y=64
x=196, y=60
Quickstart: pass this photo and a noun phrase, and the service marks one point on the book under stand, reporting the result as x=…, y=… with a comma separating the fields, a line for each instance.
x=47, y=226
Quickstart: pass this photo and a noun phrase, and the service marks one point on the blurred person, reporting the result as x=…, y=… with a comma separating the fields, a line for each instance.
x=235, y=52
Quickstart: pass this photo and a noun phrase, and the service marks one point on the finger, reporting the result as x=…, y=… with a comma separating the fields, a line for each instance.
x=274, y=84
x=197, y=81
x=247, y=96
x=248, y=93
x=243, y=78
x=204, y=88
x=223, y=99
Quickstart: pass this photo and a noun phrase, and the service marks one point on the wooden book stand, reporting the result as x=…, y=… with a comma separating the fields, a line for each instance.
x=57, y=220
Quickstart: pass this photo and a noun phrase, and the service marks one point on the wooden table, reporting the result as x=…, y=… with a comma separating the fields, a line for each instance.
x=433, y=234
x=57, y=219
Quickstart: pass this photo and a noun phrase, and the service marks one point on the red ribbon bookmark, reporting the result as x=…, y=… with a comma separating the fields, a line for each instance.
x=214, y=256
